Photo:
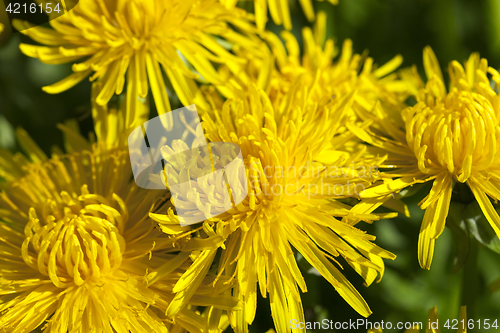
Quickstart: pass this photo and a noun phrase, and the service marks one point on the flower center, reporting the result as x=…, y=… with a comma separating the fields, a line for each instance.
x=457, y=134
x=76, y=241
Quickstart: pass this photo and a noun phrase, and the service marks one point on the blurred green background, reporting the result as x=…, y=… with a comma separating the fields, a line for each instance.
x=453, y=28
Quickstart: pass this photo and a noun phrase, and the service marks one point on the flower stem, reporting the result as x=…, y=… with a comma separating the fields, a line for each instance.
x=470, y=281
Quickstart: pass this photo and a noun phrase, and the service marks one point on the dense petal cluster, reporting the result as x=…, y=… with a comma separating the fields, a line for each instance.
x=80, y=253
x=291, y=204
x=448, y=137
x=137, y=42
x=279, y=10
x=277, y=68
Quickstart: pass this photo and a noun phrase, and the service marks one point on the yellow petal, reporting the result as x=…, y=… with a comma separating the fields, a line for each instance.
x=67, y=82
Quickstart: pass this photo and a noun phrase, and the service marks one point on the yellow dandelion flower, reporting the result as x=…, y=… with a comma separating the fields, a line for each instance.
x=449, y=137
x=138, y=42
x=277, y=68
x=333, y=77
x=279, y=10
x=290, y=206
x=77, y=244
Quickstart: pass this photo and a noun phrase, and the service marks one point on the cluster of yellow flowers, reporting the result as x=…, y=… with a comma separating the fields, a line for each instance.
x=84, y=249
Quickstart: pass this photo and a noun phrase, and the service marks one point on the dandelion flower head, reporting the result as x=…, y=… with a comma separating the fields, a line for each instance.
x=279, y=65
x=136, y=42
x=77, y=243
x=450, y=137
x=286, y=210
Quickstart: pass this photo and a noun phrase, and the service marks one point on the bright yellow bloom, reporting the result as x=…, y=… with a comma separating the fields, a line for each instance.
x=449, y=137
x=326, y=75
x=432, y=325
x=279, y=10
x=294, y=174
x=77, y=245
x=137, y=42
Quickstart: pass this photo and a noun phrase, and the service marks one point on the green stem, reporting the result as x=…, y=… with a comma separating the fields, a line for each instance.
x=470, y=285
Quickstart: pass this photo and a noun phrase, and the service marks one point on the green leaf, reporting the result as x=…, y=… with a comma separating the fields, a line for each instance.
x=480, y=227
